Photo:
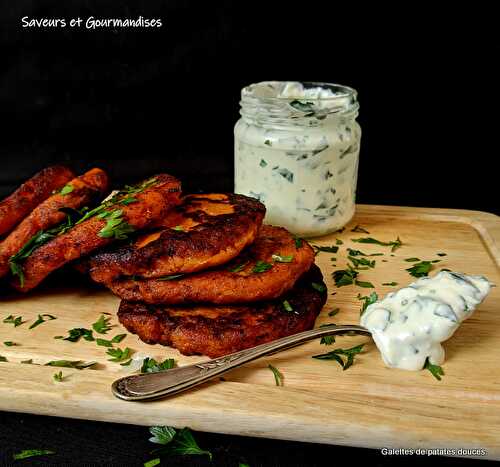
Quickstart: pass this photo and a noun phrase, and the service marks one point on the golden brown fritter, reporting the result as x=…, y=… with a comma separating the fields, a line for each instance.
x=30, y=194
x=221, y=330
x=204, y=231
x=256, y=274
x=127, y=211
x=88, y=188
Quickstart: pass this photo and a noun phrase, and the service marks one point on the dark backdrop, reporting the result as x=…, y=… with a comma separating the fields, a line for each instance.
x=139, y=102
x=136, y=102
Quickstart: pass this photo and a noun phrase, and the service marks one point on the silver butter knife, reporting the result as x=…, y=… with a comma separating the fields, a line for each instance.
x=149, y=386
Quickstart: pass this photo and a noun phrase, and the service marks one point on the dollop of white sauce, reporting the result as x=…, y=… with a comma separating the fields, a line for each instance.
x=409, y=325
x=302, y=162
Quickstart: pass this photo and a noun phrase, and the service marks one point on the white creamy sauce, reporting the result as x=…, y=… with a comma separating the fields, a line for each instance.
x=304, y=173
x=409, y=325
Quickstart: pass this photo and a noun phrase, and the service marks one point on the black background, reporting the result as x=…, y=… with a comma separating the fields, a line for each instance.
x=144, y=101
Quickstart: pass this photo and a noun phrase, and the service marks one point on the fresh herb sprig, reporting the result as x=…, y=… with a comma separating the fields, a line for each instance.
x=420, y=269
x=102, y=325
x=76, y=333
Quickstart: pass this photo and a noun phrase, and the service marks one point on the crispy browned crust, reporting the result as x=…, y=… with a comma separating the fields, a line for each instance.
x=87, y=188
x=150, y=205
x=30, y=194
x=221, y=285
x=215, y=229
x=221, y=330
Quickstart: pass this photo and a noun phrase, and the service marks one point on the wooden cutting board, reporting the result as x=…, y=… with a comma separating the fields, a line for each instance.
x=367, y=405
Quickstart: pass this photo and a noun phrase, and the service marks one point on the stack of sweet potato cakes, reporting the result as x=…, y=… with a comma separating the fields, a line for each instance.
x=199, y=273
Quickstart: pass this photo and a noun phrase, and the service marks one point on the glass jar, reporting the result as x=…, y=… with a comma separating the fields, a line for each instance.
x=297, y=150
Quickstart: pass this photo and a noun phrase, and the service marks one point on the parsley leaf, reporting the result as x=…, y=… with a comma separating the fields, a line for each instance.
x=238, y=267
x=58, y=377
x=344, y=276
x=298, y=241
x=150, y=365
x=9, y=343
x=162, y=434
x=337, y=355
x=327, y=340
x=16, y=321
x=278, y=376
x=394, y=244
x=392, y=284
x=412, y=260
x=40, y=320
x=367, y=300
x=357, y=262
x=261, y=266
x=78, y=364
x=326, y=249
x=181, y=442
x=364, y=284
x=282, y=259
x=333, y=312
x=435, y=370
x=102, y=325
x=119, y=355
x=67, y=189
x=420, y=269
x=319, y=287
x=115, y=225
x=338, y=242
x=27, y=453
x=172, y=277
x=441, y=254
x=76, y=333
x=287, y=306
x=359, y=229
x=2, y=358
x=352, y=252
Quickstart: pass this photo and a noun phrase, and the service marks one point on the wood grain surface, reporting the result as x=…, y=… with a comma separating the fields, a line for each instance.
x=367, y=405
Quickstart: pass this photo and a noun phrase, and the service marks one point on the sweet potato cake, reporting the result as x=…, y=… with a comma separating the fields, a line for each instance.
x=30, y=194
x=265, y=270
x=204, y=231
x=221, y=330
x=86, y=189
x=136, y=207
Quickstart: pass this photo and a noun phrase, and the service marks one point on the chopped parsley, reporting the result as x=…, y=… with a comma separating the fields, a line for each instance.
x=268, y=142
x=263, y=163
x=333, y=312
x=27, y=453
x=102, y=325
x=9, y=343
x=435, y=370
x=357, y=262
x=338, y=355
x=16, y=321
x=319, y=287
x=278, y=376
x=441, y=254
x=367, y=300
x=119, y=355
x=352, y=252
x=238, y=267
x=179, y=228
x=115, y=227
x=359, y=229
x=261, y=266
x=172, y=277
x=58, y=377
x=298, y=241
x=41, y=320
x=420, y=269
x=150, y=365
x=287, y=306
x=174, y=443
x=391, y=284
x=2, y=358
x=412, y=260
x=344, y=277
x=326, y=249
x=282, y=259
x=78, y=364
x=338, y=242
x=394, y=244
x=364, y=284
x=66, y=189
x=109, y=343
x=76, y=333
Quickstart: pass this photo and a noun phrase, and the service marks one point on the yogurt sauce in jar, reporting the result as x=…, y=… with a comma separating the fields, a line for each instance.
x=296, y=150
